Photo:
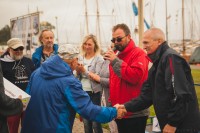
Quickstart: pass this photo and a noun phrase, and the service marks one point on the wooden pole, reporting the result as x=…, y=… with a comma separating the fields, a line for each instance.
x=140, y=21
x=86, y=18
x=183, y=27
x=98, y=24
x=166, y=20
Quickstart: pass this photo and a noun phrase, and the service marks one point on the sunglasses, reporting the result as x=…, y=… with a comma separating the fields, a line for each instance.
x=18, y=49
x=118, y=39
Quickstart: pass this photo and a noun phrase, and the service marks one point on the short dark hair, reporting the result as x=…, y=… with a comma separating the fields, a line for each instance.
x=122, y=26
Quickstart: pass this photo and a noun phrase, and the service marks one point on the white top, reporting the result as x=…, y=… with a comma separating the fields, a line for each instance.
x=85, y=81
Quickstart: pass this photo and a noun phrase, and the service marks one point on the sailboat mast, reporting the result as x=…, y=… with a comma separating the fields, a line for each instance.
x=98, y=23
x=166, y=20
x=86, y=17
x=183, y=27
x=140, y=21
x=192, y=23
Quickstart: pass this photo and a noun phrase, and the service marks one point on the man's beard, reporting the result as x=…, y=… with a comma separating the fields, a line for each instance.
x=49, y=45
x=120, y=47
x=16, y=57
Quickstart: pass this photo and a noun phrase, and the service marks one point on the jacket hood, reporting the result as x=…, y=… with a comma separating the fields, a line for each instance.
x=54, y=67
x=6, y=57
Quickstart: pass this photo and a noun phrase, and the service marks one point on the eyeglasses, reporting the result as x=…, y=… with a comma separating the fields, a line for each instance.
x=118, y=39
x=18, y=49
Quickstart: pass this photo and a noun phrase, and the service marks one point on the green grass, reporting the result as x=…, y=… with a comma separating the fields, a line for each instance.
x=196, y=78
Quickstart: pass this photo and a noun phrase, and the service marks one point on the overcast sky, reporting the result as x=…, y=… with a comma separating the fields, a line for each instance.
x=71, y=19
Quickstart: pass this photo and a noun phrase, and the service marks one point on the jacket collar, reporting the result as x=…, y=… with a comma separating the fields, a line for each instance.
x=128, y=48
x=154, y=57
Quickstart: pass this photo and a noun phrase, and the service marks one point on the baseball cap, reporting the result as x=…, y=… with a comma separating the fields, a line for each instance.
x=15, y=43
x=68, y=51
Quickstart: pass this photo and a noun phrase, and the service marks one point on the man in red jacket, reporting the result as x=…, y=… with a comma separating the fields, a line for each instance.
x=128, y=70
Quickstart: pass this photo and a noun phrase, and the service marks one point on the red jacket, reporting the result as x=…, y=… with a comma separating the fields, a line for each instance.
x=127, y=74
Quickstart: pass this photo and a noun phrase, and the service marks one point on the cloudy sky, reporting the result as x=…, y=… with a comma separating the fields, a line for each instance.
x=71, y=15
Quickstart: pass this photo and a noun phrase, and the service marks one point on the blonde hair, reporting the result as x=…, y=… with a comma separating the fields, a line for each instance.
x=94, y=39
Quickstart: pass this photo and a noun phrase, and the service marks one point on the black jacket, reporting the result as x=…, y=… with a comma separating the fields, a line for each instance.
x=17, y=72
x=170, y=88
x=8, y=106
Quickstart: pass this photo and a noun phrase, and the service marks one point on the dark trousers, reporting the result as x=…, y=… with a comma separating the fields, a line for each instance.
x=89, y=126
x=132, y=125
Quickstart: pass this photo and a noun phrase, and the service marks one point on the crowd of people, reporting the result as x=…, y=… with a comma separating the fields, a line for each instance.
x=115, y=87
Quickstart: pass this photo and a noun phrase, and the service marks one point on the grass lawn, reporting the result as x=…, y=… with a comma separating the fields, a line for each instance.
x=196, y=78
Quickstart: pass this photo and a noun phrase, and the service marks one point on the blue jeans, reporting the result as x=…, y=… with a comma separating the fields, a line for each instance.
x=89, y=126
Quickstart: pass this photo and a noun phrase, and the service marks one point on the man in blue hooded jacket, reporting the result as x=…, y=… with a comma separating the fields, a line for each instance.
x=46, y=50
x=56, y=96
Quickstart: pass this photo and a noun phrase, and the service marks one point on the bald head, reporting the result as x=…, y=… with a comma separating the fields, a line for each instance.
x=155, y=34
x=152, y=39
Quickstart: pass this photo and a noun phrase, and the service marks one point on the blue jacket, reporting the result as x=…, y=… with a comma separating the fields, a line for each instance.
x=36, y=57
x=56, y=96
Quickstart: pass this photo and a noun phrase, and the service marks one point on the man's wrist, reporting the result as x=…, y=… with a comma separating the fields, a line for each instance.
x=114, y=61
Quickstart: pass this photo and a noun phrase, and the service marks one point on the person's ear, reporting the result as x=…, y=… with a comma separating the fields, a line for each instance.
x=160, y=41
x=71, y=62
x=8, y=49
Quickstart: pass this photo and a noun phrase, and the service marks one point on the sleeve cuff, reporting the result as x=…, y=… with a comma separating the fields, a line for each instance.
x=115, y=61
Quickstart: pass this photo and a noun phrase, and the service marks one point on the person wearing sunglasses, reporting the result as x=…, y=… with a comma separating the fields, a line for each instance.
x=17, y=69
x=47, y=48
x=128, y=71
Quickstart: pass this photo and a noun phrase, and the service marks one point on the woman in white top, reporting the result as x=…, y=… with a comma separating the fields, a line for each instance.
x=90, y=61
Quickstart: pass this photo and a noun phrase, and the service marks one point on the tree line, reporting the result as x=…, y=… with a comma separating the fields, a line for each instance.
x=5, y=35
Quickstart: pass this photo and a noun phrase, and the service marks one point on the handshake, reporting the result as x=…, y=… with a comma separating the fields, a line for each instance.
x=121, y=110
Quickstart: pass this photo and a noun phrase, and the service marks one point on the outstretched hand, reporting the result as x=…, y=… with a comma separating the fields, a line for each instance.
x=119, y=106
x=121, y=111
x=169, y=129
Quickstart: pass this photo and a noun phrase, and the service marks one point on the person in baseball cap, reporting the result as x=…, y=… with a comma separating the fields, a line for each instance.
x=54, y=80
x=14, y=51
x=17, y=69
x=68, y=51
x=15, y=43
